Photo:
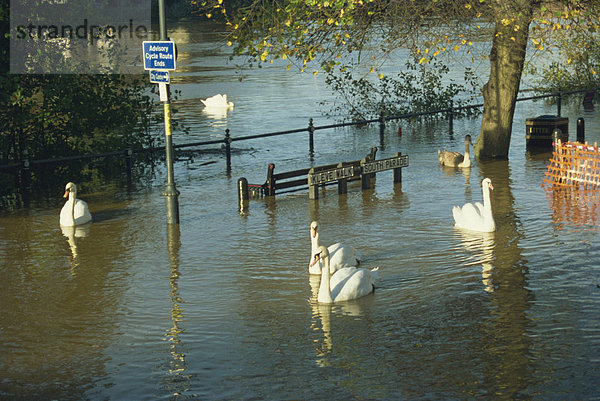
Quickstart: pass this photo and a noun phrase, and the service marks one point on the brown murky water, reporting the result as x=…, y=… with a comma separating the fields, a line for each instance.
x=222, y=307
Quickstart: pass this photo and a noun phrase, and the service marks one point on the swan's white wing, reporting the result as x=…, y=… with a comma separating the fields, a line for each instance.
x=81, y=212
x=466, y=216
x=341, y=256
x=355, y=285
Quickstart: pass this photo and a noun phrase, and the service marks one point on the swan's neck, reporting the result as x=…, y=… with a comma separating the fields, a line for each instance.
x=487, y=203
x=72, y=200
x=467, y=159
x=314, y=244
x=324, y=290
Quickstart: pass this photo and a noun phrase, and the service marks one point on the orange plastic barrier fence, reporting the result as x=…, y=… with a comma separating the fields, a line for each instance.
x=574, y=165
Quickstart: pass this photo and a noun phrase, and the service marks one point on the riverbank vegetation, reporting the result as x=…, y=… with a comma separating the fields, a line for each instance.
x=53, y=116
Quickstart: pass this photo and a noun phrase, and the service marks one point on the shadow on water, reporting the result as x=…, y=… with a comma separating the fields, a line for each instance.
x=505, y=330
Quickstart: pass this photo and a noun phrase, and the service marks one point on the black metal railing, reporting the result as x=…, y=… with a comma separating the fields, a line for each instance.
x=128, y=153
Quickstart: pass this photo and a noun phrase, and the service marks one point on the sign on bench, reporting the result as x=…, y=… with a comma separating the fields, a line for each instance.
x=384, y=164
x=367, y=170
x=329, y=175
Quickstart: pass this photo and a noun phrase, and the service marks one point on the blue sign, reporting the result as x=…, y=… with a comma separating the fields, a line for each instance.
x=158, y=77
x=159, y=55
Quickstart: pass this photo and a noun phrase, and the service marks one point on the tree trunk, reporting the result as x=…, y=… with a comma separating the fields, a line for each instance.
x=507, y=58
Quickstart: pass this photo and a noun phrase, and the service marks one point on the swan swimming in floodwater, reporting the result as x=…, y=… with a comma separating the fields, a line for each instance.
x=340, y=255
x=345, y=284
x=455, y=159
x=217, y=102
x=476, y=216
x=75, y=211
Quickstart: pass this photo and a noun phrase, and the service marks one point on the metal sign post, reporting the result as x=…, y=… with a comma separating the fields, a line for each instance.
x=160, y=56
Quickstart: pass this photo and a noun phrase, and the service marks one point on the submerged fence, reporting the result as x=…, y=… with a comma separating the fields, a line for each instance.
x=25, y=164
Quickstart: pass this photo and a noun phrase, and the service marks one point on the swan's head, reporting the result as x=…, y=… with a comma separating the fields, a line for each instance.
x=487, y=182
x=70, y=188
x=322, y=253
x=314, y=227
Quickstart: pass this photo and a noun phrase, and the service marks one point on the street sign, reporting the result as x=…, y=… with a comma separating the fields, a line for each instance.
x=159, y=55
x=330, y=175
x=385, y=164
x=159, y=77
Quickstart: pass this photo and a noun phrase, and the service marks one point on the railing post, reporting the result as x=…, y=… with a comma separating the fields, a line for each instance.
x=243, y=195
x=270, y=184
x=128, y=153
x=451, y=118
x=559, y=102
x=227, y=141
x=311, y=139
x=25, y=176
x=381, y=129
x=580, y=130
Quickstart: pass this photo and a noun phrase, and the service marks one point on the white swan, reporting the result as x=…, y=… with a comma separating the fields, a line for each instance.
x=345, y=284
x=476, y=217
x=339, y=255
x=75, y=211
x=455, y=159
x=217, y=102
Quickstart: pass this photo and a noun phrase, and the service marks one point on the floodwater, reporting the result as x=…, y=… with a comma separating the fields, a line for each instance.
x=221, y=307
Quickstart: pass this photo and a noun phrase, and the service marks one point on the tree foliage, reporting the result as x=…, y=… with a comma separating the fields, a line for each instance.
x=57, y=115
x=323, y=33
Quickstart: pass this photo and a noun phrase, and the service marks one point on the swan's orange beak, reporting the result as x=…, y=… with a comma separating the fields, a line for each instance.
x=66, y=195
x=491, y=186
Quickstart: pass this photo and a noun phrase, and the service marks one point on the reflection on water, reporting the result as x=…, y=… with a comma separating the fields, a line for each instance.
x=73, y=234
x=481, y=245
x=574, y=206
x=178, y=380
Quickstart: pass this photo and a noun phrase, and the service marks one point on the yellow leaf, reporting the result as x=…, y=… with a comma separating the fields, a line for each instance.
x=456, y=48
x=513, y=39
x=315, y=72
x=422, y=60
x=371, y=69
x=468, y=6
x=380, y=76
x=287, y=68
x=208, y=15
x=229, y=43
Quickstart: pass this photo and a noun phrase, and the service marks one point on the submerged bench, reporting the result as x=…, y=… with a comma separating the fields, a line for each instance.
x=320, y=176
x=299, y=179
